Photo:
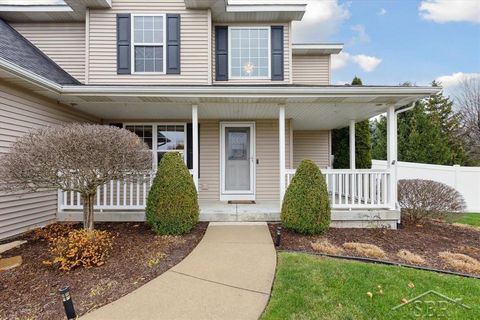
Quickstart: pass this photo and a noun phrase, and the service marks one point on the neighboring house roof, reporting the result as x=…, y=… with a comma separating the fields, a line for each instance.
x=21, y=52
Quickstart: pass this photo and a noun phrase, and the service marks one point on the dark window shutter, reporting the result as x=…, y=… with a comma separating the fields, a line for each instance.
x=221, y=53
x=277, y=52
x=190, y=147
x=173, y=44
x=123, y=43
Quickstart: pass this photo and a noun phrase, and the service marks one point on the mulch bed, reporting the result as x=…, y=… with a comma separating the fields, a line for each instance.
x=31, y=290
x=426, y=240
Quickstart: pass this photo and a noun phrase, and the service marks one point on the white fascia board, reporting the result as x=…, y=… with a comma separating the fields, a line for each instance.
x=29, y=76
x=266, y=8
x=265, y=2
x=316, y=48
x=35, y=8
x=248, y=91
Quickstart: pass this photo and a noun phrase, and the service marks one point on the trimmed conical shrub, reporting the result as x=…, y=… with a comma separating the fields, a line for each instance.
x=172, y=204
x=306, y=208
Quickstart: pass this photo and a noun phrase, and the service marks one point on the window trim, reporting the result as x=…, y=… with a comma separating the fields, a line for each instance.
x=269, y=46
x=141, y=44
x=155, y=126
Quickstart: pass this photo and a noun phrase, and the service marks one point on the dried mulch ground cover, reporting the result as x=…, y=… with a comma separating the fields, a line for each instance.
x=426, y=241
x=31, y=290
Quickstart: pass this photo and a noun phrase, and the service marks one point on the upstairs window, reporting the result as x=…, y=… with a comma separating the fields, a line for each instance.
x=148, y=49
x=249, y=52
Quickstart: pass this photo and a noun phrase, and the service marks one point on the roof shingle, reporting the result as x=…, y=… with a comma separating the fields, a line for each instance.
x=18, y=50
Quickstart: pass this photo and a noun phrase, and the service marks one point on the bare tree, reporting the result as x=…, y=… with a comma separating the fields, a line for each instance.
x=468, y=101
x=73, y=157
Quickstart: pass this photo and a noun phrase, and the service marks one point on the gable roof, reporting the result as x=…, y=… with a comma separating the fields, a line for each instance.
x=21, y=52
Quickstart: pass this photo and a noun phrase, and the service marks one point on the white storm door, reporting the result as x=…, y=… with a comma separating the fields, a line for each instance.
x=238, y=161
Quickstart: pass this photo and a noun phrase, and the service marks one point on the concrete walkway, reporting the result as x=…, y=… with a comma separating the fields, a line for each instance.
x=228, y=275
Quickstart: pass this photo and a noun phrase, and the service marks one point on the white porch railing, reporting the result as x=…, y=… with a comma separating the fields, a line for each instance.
x=348, y=189
x=355, y=189
x=129, y=194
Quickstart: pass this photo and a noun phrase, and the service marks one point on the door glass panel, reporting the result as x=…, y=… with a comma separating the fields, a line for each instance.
x=237, y=159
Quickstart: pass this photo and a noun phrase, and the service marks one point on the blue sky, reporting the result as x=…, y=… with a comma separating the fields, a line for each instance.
x=390, y=42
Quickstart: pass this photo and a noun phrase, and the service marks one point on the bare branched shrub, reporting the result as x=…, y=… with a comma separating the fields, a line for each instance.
x=326, y=247
x=73, y=157
x=421, y=200
x=461, y=262
x=410, y=257
x=365, y=249
x=468, y=101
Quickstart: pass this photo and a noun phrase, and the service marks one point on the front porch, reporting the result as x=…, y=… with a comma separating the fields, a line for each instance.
x=260, y=134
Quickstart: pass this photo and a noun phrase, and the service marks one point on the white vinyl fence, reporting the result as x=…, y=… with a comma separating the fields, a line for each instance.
x=465, y=179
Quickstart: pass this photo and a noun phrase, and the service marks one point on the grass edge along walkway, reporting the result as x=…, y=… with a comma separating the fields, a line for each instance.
x=312, y=287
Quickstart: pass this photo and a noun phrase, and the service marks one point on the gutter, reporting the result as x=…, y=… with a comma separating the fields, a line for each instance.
x=30, y=76
x=251, y=91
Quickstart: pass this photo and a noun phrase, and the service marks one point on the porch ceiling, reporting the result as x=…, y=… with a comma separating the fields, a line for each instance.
x=321, y=114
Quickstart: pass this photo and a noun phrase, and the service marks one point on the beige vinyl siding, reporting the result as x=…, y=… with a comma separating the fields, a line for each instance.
x=209, y=187
x=268, y=169
x=313, y=70
x=311, y=144
x=267, y=153
x=286, y=54
x=64, y=43
x=194, y=51
x=19, y=113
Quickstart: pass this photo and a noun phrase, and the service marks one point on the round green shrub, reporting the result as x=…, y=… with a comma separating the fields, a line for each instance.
x=306, y=207
x=172, y=204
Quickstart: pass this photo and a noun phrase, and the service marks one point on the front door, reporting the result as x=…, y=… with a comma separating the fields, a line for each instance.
x=238, y=161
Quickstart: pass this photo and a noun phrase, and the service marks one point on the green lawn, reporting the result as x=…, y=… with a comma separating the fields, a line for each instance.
x=472, y=219
x=312, y=287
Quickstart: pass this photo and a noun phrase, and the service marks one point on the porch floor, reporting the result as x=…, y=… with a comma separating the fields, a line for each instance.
x=267, y=210
x=223, y=211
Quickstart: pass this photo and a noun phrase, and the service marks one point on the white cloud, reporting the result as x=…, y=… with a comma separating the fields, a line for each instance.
x=322, y=19
x=361, y=35
x=366, y=63
x=456, y=79
x=340, y=60
x=451, y=83
x=441, y=11
x=382, y=12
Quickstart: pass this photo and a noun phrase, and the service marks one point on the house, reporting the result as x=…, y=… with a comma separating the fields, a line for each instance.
x=220, y=81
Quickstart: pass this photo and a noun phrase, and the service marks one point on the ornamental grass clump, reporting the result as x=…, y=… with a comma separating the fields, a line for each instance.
x=306, y=207
x=80, y=248
x=172, y=205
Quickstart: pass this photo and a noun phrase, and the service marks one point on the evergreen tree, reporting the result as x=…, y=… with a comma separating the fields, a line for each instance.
x=426, y=134
x=363, y=144
x=378, y=131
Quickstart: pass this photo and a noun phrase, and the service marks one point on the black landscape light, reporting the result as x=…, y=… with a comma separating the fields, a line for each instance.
x=68, y=303
x=278, y=236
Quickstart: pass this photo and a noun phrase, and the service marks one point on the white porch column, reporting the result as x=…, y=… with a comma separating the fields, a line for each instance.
x=352, y=144
x=195, y=144
x=392, y=154
x=281, y=134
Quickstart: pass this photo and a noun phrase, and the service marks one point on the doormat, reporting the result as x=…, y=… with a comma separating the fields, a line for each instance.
x=241, y=202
